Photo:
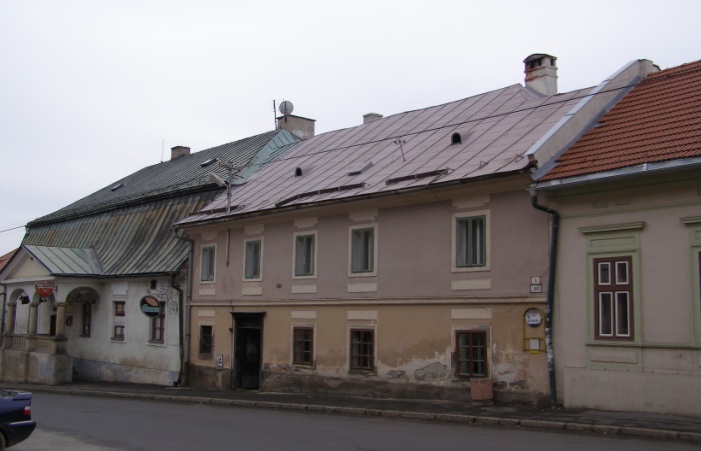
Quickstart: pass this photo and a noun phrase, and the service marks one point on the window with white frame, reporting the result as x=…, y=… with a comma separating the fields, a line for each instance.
x=613, y=297
x=363, y=258
x=305, y=255
x=471, y=241
x=207, y=264
x=119, y=320
x=253, y=255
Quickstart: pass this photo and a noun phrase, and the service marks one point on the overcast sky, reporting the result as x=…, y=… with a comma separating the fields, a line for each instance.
x=91, y=91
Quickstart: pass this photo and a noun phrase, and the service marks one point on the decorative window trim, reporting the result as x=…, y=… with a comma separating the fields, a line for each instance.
x=315, y=265
x=214, y=264
x=253, y=278
x=487, y=241
x=613, y=241
x=694, y=226
x=375, y=239
x=614, y=298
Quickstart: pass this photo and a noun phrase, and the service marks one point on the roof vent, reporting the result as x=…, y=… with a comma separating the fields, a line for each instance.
x=359, y=168
x=456, y=139
x=303, y=170
x=541, y=73
x=208, y=162
x=117, y=186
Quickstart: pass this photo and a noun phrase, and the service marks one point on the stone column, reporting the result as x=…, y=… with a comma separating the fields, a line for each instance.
x=9, y=325
x=33, y=318
x=60, y=320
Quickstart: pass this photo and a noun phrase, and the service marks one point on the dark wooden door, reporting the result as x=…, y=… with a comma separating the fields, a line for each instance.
x=247, y=358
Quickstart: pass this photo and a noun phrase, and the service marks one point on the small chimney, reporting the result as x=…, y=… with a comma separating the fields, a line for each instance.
x=179, y=151
x=301, y=127
x=541, y=73
x=371, y=117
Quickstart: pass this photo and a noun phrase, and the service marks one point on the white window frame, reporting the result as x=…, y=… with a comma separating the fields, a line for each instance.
x=296, y=236
x=375, y=239
x=245, y=260
x=119, y=321
x=213, y=247
x=487, y=241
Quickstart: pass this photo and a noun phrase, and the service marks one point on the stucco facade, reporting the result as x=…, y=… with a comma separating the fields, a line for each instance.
x=49, y=341
x=655, y=221
x=414, y=302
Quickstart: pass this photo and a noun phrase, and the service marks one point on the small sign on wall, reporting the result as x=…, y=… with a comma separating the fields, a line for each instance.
x=220, y=361
x=536, y=285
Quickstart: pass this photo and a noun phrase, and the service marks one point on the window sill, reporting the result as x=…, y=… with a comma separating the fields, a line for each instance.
x=156, y=343
x=363, y=372
x=117, y=340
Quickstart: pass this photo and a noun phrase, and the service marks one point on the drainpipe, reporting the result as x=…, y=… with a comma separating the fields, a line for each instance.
x=185, y=316
x=4, y=308
x=554, y=225
x=176, y=285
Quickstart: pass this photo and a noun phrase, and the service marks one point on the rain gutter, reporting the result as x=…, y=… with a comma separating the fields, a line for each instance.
x=618, y=174
x=550, y=304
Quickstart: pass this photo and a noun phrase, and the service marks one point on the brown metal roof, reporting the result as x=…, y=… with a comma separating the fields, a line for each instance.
x=659, y=120
x=406, y=150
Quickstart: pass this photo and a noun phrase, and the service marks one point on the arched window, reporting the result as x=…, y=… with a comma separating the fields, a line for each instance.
x=456, y=139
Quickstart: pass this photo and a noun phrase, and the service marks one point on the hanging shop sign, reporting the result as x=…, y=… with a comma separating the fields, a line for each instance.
x=150, y=307
x=45, y=289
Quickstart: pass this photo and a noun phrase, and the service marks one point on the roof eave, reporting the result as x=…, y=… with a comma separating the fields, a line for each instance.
x=324, y=203
x=617, y=174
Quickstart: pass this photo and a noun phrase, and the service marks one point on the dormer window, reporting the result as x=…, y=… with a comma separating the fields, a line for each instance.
x=456, y=139
x=298, y=172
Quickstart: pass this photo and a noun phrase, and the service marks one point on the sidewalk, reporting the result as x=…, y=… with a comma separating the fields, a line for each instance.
x=649, y=425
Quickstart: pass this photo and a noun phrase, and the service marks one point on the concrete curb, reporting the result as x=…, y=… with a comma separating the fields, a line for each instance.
x=660, y=434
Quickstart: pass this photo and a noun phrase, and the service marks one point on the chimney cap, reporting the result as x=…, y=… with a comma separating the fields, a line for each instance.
x=539, y=56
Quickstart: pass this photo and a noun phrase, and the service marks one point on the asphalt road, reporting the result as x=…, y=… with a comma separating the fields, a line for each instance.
x=93, y=423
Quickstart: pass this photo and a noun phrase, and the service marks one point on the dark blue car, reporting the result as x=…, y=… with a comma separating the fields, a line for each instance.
x=16, y=422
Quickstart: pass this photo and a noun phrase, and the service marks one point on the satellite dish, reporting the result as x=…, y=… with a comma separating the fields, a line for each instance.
x=286, y=107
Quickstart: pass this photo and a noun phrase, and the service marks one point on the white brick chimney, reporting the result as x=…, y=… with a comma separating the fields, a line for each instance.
x=541, y=73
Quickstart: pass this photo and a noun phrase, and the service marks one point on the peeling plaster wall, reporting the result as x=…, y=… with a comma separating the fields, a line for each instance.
x=413, y=352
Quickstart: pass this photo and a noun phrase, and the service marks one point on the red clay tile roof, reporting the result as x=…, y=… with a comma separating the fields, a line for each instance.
x=659, y=120
x=6, y=258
